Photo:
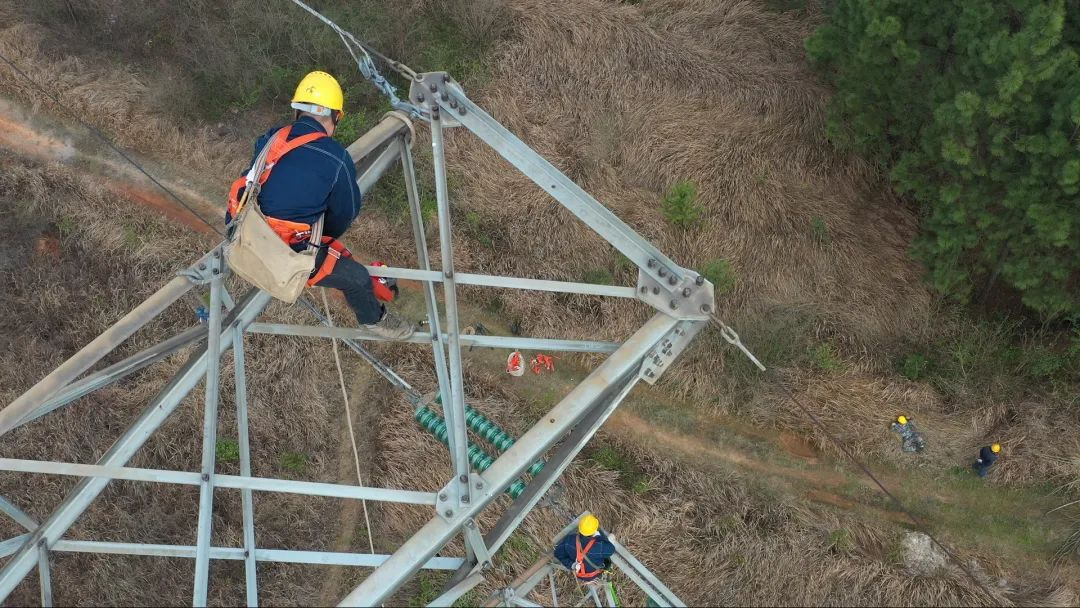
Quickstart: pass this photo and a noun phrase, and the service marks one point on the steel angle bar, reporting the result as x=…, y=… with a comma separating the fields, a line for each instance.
x=209, y=441
x=115, y=372
x=454, y=407
x=537, y=440
x=21, y=517
x=486, y=280
x=505, y=342
x=262, y=484
x=92, y=352
x=44, y=574
x=13, y=544
x=416, y=215
x=452, y=594
x=247, y=506
x=643, y=577
x=125, y=447
x=236, y=554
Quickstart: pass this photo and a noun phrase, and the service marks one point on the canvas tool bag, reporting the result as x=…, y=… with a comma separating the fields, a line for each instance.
x=258, y=255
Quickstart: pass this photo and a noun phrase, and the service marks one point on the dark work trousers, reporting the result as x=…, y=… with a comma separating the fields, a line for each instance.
x=354, y=281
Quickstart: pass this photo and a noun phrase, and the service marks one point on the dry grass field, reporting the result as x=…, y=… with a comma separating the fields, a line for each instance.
x=697, y=476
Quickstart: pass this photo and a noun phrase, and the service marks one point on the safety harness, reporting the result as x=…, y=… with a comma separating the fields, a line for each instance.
x=293, y=233
x=583, y=558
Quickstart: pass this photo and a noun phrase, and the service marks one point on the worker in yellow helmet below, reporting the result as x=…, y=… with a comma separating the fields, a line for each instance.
x=988, y=455
x=588, y=553
x=911, y=440
x=308, y=176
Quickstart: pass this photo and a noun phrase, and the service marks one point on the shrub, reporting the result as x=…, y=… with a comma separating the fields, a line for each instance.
x=972, y=106
x=294, y=462
x=680, y=205
x=720, y=274
x=824, y=357
x=915, y=366
x=227, y=450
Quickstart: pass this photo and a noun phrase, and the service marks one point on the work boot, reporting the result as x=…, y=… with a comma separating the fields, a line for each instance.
x=391, y=327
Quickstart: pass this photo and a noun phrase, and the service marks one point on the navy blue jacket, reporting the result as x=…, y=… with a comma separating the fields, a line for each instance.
x=987, y=456
x=599, y=555
x=316, y=178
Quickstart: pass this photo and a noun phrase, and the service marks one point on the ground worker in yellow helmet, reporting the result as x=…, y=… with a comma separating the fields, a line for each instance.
x=308, y=175
x=588, y=552
x=988, y=455
x=911, y=440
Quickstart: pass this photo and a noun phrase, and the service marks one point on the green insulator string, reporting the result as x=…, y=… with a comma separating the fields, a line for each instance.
x=492, y=433
x=478, y=458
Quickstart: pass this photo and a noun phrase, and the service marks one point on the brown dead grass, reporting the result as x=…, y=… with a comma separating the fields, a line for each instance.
x=112, y=255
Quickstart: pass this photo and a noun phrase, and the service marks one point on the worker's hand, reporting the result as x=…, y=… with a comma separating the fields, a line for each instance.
x=978, y=460
x=577, y=566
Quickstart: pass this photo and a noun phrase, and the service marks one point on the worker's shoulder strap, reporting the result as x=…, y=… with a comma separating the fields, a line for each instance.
x=280, y=144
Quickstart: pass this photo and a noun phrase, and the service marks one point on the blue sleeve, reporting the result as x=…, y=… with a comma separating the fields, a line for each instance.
x=603, y=550
x=343, y=204
x=565, y=554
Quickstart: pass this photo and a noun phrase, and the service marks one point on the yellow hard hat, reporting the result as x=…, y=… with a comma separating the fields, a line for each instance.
x=318, y=93
x=901, y=419
x=995, y=448
x=588, y=526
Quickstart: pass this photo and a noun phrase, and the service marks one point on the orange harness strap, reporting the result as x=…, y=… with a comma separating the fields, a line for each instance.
x=292, y=233
x=581, y=559
x=335, y=250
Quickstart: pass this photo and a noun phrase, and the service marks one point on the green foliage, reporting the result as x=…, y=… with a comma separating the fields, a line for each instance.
x=915, y=366
x=974, y=108
x=294, y=462
x=599, y=276
x=429, y=589
x=680, y=205
x=819, y=231
x=227, y=450
x=720, y=274
x=67, y=225
x=631, y=476
x=825, y=357
x=841, y=541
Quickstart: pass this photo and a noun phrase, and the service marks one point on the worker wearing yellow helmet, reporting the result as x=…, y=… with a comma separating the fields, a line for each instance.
x=988, y=455
x=588, y=552
x=309, y=177
x=911, y=439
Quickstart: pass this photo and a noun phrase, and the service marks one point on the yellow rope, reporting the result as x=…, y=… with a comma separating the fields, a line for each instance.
x=348, y=419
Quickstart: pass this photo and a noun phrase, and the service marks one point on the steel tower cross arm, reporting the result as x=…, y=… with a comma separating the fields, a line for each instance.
x=552, y=426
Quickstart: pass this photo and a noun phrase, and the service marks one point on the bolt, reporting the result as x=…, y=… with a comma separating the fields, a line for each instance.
x=461, y=111
x=705, y=308
x=433, y=88
x=217, y=271
x=448, y=513
x=464, y=479
x=655, y=291
x=479, y=486
x=470, y=524
x=202, y=266
x=699, y=281
x=420, y=97
x=449, y=274
x=672, y=280
x=442, y=496
x=206, y=477
x=686, y=292
x=465, y=499
x=453, y=103
x=662, y=272
x=650, y=374
x=444, y=96
x=652, y=263
x=674, y=305
x=446, y=78
x=247, y=554
x=644, y=289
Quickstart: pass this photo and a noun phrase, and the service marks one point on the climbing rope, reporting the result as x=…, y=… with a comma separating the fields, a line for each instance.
x=348, y=420
x=732, y=338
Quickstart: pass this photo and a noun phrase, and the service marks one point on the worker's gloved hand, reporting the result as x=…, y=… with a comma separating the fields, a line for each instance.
x=577, y=566
x=978, y=460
